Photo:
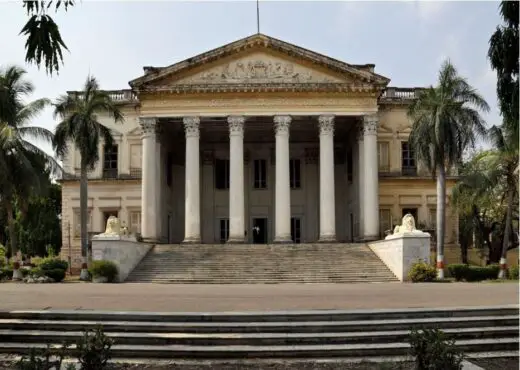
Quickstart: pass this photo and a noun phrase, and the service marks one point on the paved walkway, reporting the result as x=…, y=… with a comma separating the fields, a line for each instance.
x=158, y=297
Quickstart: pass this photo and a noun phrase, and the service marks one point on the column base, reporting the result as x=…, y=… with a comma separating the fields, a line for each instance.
x=191, y=240
x=236, y=241
x=327, y=239
x=283, y=240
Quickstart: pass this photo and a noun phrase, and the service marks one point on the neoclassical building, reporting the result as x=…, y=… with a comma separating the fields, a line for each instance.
x=257, y=141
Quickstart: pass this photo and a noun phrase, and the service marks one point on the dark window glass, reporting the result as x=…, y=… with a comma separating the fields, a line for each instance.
x=110, y=161
x=408, y=159
x=350, y=165
x=222, y=174
x=295, y=173
x=260, y=174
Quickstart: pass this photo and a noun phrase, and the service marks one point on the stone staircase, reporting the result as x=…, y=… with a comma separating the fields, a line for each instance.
x=261, y=263
x=255, y=336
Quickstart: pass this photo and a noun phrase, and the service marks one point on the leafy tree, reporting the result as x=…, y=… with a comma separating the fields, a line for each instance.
x=80, y=126
x=22, y=164
x=503, y=55
x=446, y=121
x=41, y=226
x=44, y=44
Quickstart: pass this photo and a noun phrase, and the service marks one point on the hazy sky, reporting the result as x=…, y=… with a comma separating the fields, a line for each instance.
x=407, y=41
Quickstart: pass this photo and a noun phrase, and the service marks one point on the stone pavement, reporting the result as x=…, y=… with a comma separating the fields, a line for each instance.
x=169, y=297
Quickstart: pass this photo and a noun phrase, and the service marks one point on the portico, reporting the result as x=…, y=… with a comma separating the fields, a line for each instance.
x=312, y=133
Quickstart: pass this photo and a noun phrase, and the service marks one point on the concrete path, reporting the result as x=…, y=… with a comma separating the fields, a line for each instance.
x=159, y=297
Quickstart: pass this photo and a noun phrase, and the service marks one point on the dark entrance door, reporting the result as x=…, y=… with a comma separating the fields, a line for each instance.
x=412, y=211
x=259, y=231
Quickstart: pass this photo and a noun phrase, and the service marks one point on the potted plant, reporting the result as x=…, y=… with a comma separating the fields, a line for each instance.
x=17, y=273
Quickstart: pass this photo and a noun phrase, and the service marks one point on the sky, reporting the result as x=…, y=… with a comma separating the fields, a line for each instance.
x=407, y=41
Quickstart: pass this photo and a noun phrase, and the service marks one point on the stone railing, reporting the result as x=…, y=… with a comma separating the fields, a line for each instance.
x=106, y=175
x=118, y=96
x=400, y=93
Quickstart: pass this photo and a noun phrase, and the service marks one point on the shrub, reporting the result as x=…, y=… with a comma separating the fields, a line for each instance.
x=51, y=263
x=48, y=359
x=107, y=269
x=513, y=273
x=6, y=273
x=36, y=272
x=433, y=351
x=94, y=349
x=56, y=274
x=478, y=273
x=458, y=271
x=422, y=272
x=37, y=261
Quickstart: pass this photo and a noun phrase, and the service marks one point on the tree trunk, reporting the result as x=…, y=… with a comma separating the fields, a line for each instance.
x=83, y=203
x=441, y=219
x=13, y=241
x=507, y=231
x=464, y=253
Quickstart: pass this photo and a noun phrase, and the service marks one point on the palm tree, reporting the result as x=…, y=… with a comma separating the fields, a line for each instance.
x=21, y=162
x=80, y=125
x=446, y=122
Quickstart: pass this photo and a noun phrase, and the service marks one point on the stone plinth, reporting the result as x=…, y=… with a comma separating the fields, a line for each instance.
x=399, y=252
x=125, y=252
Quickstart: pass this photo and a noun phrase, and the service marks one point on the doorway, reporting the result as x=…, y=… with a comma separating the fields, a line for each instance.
x=106, y=215
x=259, y=231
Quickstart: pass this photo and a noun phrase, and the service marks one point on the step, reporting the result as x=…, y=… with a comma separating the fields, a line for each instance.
x=211, y=327
x=251, y=339
x=282, y=351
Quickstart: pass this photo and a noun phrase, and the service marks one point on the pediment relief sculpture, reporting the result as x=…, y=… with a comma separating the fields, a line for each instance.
x=259, y=69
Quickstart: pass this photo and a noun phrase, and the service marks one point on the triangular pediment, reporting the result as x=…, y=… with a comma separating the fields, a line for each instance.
x=258, y=59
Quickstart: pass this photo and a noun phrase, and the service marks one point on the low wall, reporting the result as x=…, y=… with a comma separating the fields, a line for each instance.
x=400, y=252
x=126, y=253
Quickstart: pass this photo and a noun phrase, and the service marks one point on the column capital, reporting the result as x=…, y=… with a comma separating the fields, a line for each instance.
x=326, y=123
x=236, y=125
x=148, y=125
x=281, y=124
x=191, y=126
x=370, y=124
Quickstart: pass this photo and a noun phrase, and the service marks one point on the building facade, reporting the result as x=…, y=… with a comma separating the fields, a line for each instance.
x=258, y=141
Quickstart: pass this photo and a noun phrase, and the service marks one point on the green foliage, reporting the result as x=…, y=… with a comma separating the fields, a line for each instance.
x=36, y=272
x=48, y=359
x=107, y=269
x=432, y=350
x=2, y=255
x=6, y=273
x=422, y=272
x=44, y=44
x=513, y=272
x=53, y=263
x=458, y=271
x=56, y=274
x=94, y=349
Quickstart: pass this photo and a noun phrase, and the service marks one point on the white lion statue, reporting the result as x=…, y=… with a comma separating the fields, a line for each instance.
x=113, y=227
x=407, y=225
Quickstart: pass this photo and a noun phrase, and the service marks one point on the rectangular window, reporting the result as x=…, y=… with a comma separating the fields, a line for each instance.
x=296, y=233
x=383, y=155
x=110, y=161
x=408, y=165
x=224, y=229
x=432, y=218
x=135, y=222
x=295, y=176
x=385, y=221
x=260, y=174
x=222, y=174
x=77, y=222
x=350, y=165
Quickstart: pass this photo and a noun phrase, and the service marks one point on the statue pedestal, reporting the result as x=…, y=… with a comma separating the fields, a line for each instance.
x=400, y=251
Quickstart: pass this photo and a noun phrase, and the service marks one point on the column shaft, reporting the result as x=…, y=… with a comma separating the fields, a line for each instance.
x=327, y=206
x=361, y=186
x=236, y=180
x=371, y=181
x=192, y=188
x=149, y=177
x=282, y=201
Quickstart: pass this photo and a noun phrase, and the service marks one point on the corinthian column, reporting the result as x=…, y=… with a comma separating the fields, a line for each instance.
x=149, y=179
x=192, y=189
x=327, y=210
x=236, y=180
x=371, y=181
x=361, y=182
x=282, y=202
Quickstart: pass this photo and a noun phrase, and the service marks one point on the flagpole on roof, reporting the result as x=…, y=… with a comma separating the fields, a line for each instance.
x=258, y=16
